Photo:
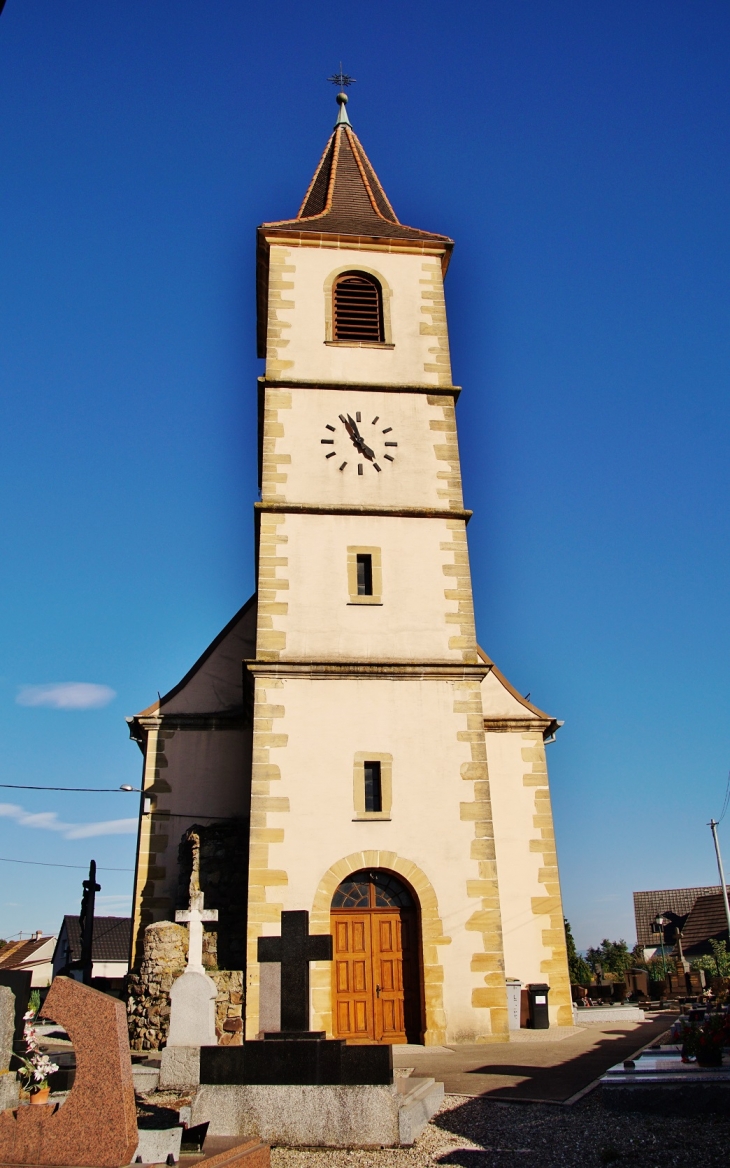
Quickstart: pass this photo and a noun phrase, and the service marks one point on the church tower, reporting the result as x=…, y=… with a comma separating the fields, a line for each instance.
x=398, y=786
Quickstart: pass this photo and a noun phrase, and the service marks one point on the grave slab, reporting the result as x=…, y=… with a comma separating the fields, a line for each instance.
x=7, y=1026
x=605, y=1015
x=302, y=1062
x=331, y=1116
x=156, y=1145
x=9, y=1090
x=180, y=1067
x=658, y=1081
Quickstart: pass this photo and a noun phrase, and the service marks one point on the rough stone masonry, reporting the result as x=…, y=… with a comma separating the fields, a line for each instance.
x=148, y=1003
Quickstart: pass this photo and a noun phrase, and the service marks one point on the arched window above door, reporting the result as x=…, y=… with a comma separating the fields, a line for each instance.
x=372, y=888
x=357, y=309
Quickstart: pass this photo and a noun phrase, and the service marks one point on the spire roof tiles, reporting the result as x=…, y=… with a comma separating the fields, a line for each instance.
x=345, y=197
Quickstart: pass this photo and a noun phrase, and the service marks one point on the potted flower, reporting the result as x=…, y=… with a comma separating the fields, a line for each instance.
x=714, y=1033
x=36, y=1065
x=703, y=1041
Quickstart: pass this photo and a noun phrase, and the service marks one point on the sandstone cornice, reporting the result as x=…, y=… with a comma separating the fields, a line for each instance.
x=386, y=670
x=546, y=726
x=357, y=509
x=371, y=387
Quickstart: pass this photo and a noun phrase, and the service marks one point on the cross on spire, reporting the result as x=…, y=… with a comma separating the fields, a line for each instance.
x=295, y=948
x=342, y=79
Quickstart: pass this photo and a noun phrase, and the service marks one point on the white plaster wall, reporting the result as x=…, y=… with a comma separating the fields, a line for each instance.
x=513, y=809
x=498, y=702
x=326, y=723
x=208, y=772
x=312, y=360
x=410, y=623
x=409, y=481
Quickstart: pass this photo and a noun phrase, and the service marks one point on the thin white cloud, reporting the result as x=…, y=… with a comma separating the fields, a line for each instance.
x=66, y=695
x=106, y=827
x=49, y=821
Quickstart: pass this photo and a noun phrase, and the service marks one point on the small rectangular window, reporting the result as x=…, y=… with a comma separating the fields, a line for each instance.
x=364, y=575
x=373, y=787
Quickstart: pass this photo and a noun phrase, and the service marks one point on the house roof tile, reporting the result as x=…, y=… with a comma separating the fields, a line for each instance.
x=111, y=938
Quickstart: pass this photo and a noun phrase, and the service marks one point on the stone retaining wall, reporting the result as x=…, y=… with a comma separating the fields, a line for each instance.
x=148, y=990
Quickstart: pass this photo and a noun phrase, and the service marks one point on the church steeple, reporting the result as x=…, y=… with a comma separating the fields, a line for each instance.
x=345, y=196
x=345, y=201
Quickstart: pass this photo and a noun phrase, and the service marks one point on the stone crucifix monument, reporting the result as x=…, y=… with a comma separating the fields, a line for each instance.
x=193, y=994
x=294, y=950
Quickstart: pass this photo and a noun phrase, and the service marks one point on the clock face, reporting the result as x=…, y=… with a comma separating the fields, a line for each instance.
x=358, y=447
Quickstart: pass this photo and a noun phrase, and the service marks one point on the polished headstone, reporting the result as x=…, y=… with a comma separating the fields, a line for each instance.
x=97, y=1124
x=294, y=950
x=317, y=1062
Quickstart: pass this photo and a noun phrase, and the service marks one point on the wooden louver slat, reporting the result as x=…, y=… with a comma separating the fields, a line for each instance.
x=358, y=311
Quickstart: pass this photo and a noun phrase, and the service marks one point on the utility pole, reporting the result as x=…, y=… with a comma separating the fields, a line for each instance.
x=713, y=828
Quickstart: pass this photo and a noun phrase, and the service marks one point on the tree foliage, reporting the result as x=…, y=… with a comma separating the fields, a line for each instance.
x=580, y=973
x=610, y=957
x=719, y=964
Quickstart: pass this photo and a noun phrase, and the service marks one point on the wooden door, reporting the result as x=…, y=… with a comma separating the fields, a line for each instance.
x=353, y=1006
x=368, y=1005
x=387, y=949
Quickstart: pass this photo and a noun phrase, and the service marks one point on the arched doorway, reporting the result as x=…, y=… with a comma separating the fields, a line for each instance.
x=376, y=971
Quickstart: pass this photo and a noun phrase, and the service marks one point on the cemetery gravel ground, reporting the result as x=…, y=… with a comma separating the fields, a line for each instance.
x=476, y=1133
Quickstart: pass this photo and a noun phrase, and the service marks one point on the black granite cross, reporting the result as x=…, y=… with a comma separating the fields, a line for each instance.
x=295, y=948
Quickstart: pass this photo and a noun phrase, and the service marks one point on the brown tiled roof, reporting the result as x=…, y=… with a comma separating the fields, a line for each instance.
x=649, y=905
x=706, y=919
x=345, y=197
x=111, y=938
x=17, y=953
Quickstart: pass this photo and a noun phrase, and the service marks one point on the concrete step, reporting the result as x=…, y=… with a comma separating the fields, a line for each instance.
x=418, y=1100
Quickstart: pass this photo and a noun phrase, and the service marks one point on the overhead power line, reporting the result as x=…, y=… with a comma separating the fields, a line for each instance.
x=45, y=864
x=26, y=787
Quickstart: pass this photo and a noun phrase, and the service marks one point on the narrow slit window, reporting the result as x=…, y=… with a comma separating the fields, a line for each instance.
x=373, y=787
x=358, y=308
x=364, y=575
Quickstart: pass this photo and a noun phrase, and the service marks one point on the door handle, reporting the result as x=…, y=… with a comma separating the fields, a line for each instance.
x=377, y=991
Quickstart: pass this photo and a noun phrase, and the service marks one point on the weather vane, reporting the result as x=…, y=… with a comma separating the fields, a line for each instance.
x=342, y=79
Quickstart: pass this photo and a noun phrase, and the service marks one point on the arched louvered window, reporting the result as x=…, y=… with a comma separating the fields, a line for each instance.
x=358, y=308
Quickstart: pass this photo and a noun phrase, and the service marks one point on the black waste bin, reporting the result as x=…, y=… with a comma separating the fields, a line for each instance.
x=537, y=997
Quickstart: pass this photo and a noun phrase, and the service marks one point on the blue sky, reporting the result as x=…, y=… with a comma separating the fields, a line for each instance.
x=578, y=154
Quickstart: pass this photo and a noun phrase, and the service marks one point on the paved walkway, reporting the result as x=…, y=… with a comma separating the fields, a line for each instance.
x=546, y=1069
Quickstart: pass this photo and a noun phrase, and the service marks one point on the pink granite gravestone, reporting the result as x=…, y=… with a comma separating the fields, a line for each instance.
x=97, y=1125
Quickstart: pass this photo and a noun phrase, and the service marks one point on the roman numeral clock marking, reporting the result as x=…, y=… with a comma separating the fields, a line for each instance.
x=349, y=433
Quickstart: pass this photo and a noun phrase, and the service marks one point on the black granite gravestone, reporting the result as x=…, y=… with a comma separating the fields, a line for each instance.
x=19, y=982
x=295, y=948
x=283, y=1058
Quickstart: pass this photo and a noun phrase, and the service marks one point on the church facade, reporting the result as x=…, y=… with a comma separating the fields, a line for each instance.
x=344, y=745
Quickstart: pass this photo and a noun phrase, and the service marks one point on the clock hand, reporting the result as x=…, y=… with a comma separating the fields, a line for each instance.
x=356, y=437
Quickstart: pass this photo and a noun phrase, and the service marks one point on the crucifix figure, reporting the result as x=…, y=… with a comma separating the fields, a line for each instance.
x=193, y=994
x=196, y=914
x=295, y=948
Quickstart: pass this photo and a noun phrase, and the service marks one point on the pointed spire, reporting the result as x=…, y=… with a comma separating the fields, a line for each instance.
x=342, y=118
x=345, y=196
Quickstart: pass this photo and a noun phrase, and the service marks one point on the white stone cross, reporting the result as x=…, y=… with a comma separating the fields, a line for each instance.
x=194, y=917
x=193, y=994
x=196, y=914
